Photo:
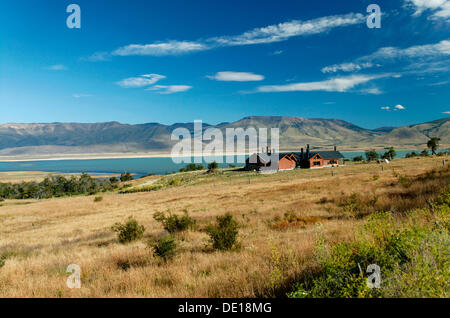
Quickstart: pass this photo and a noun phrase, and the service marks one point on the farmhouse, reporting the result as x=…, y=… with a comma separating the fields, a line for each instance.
x=319, y=159
x=292, y=160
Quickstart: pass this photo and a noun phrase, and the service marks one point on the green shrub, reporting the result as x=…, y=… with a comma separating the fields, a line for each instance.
x=164, y=247
x=126, y=176
x=130, y=231
x=98, y=199
x=148, y=188
x=411, y=252
x=212, y=166
x=192, y=167
x=224, y=233
x=372, y=155
x=55, y=186
x=113, y=180
x=358, y=158
x=173, y=223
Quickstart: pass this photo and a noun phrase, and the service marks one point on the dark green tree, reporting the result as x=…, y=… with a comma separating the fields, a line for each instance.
x=433, y=144
x=371, y=155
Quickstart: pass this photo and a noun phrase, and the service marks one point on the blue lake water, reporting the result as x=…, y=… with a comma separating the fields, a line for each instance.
x=138, y=166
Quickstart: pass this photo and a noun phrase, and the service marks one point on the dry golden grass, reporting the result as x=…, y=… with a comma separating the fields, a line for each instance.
x=41, y=238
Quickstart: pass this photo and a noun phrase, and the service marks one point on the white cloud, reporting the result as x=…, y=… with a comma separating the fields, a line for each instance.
x=57, y=67
x=440, y=8
x=372, y=91
x=170, y=89
x=140, y=81
x=346, y=67
x=236, y=77
x=394, y=108
x=428, y=50
x=446, y=112
x=392, y=54
x=269, y=34
x=283, y=31
x=159, y=49
x=337, y=84
x=277, y=52
x=81, y=95
x=439, y=83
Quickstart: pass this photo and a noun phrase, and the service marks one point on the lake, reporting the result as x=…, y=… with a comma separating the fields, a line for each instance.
x=138, y=166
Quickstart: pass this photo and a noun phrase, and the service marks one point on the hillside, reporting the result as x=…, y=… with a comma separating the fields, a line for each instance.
x=114, y=137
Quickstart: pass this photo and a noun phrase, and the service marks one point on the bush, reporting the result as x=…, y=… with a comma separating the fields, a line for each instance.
x=371, y=155
x=113, y=180
x=224, y=234
x=173, y=223
x=213, y=166
x=164, y=247
x=55, y=186
x=358, y=158
x=98, y=199
x=126, y=176
x=130, y=231
x=192, y=167
x=410, y=250
x=425, y=153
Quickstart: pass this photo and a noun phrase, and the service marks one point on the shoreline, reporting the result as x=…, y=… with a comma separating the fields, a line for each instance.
x=100, y=156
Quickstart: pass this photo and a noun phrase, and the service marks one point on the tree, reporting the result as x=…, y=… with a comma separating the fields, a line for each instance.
x=126, y=176
x=371, y=155
x=433, y=144
x=358, y=158
x=390, y=153
x=213, y=166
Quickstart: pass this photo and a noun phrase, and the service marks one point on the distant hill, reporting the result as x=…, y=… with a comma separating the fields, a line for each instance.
x=295, y=132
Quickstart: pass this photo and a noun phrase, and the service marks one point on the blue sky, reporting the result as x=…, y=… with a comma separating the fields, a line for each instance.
x=177, y=61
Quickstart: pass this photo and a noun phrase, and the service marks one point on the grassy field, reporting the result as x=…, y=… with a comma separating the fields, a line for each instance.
x=285, y=220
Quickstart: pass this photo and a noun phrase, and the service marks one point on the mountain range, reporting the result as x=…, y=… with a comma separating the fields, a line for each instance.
x=295, y=132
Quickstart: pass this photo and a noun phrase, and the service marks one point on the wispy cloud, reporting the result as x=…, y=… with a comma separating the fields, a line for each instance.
x=170, y=89
x=386, y=108
x=57, y=67
x=439, y=83
x=283, y=31
x=278, y=52
x=372, y=91
x=448, y=112
x=140, y=81
x=346, y=67
x=236, y=77
x=429, y=52
x=81, y=95
x=440, y=8
x=160, y=49
x=399, y=107
x=337, y=84
x=268, y=34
